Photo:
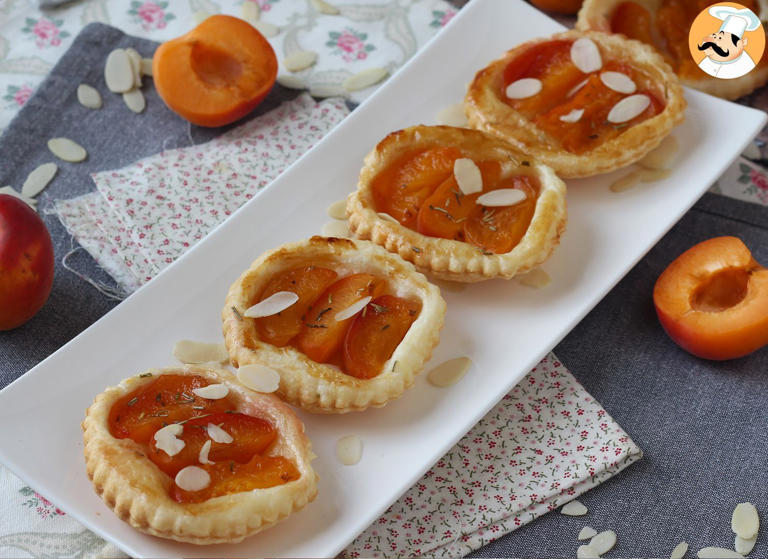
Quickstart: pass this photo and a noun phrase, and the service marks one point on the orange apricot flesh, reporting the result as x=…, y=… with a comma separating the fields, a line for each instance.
x=713, y=300
x=217, y=73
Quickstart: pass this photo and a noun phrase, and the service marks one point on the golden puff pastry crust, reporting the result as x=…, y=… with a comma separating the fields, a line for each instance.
x=487, y=111
x=137, y=490
x=323, y=388
x=595, y=15
x=446, y=258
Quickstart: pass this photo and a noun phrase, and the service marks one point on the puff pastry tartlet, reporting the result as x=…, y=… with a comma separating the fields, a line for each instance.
x=417, y=197
x=187, y=453
x=583, y=103
x=664, y=24
x=359, y=324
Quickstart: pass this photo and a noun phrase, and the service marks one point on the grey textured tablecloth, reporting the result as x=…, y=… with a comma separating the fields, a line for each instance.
x=700, y=423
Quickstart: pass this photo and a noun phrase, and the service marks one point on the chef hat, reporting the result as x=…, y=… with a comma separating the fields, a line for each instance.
x=735, y=21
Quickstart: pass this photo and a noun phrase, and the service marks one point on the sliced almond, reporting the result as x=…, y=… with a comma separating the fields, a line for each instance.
x=325, y=8
x=259, y=378
x=336, y=228
x=135, y=58
x=118, y=72
x=67, y=150
x=534, y=278
x=212, y=391
x=577, y=87
x=134, y=100
x=587, y=532
x=718, y=553
x=626, y=182
x=202, y=456
x=618, y=82
x=338, y=210
x=603, y=542
x=453, y=115
x=501, y=197
x=265, y=28
x=38, y=179
x=31, y=202
x=628, y=108
x=323, y=91
x=523, y=88
x=349, y=450
x=300, y=60
x=467, y=175
x=573, y=508
x=291, y=82
x=386, y=217
x=365, y=79
x=88, y=96
x=194, y=353
x=663, y=156
x=250, y=11
x=353, y=309
x=744, y=546
x=586, y=552
x=165, y=439
x=217, y=434
x=146, y=66
x=680, y=550
x=585, y=55
x=449, y=372
x=745, y=521
x=275, y=303
x=573, y=116
x=192, y=478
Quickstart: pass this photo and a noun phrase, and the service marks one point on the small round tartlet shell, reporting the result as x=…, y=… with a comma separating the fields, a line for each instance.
x=138, y=491
x=596, y=15
x=318, y=387
x=446, y=258
x=487, y=111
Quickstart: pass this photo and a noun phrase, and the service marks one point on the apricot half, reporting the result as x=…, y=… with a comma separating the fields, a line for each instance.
x=217, y=73
x=712, y=300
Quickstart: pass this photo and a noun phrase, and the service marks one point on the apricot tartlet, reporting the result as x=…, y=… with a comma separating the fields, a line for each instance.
x=583, y=103
x=188, y=453
x=458, y=203
x=344, y=323
x=664, y=24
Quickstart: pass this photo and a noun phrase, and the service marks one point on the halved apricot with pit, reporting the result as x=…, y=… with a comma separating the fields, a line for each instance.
x=217, y=73
x=712, y=300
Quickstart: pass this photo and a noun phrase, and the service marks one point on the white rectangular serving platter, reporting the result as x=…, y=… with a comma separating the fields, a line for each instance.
x=504, y=327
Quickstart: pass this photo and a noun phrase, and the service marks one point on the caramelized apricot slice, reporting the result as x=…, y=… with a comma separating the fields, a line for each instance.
x=376, y=333
x=444, y=212
x=231, y=477
x=216, y=73
x=308, y=282
x=402, y=187
x=322, y=335
x=499, y=230
x=634, y=21
x=251, y=436
x=168, y=399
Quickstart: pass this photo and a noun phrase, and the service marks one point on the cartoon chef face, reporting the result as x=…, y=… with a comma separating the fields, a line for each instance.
x=723, y=46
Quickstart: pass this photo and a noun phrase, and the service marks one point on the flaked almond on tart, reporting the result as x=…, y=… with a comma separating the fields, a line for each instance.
x=460, y=204
x=189, y=454
x=345, y=324
x=583, y=103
